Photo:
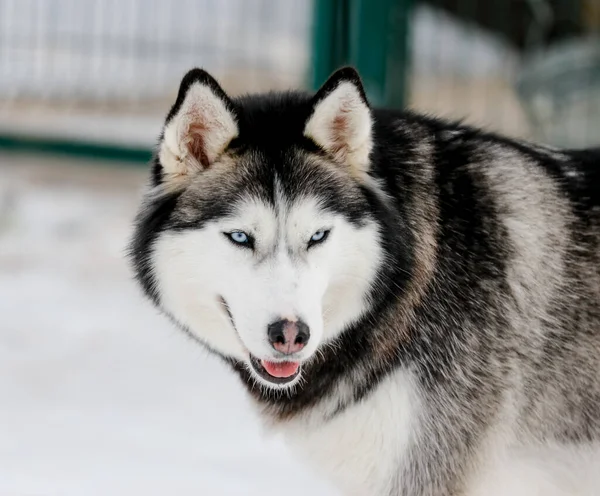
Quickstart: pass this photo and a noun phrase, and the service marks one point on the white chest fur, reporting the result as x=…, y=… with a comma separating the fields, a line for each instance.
x=361, y=447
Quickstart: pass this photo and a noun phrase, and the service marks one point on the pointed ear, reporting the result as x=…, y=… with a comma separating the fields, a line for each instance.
x=198, y=128
x=341, y=122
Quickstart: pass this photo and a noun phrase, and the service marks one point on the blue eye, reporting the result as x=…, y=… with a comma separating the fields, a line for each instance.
x=318, y=237
x=240, y=238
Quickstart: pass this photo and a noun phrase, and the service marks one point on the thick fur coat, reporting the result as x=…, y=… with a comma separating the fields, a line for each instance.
x=455, y=333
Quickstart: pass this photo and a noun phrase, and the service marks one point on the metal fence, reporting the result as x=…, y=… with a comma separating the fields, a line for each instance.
x=105, y=71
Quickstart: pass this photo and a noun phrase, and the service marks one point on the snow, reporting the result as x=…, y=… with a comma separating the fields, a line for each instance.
x=98, y=394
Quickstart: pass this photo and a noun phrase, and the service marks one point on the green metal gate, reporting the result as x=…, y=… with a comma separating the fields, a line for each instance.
x=371, y=35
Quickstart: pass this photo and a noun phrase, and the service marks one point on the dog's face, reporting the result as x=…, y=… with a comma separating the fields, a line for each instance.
x=257, y=236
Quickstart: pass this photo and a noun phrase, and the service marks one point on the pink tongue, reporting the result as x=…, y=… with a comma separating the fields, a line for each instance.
x=280, y=369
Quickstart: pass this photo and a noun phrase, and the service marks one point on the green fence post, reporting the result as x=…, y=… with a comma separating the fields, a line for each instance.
x=397, y=83
x=330, y=39
x=371, y=35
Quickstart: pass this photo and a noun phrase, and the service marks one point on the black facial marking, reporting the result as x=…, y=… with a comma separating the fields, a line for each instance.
x=150, y=222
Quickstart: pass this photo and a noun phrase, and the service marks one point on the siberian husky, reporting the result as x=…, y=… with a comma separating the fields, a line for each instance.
x=414, y=303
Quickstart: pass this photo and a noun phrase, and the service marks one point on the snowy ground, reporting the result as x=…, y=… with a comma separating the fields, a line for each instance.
x=98, y=394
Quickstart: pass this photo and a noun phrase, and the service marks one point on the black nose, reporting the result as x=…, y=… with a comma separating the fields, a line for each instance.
x=288, y=337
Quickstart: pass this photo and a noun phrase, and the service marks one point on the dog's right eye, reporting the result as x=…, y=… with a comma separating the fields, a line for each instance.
x=240, y=238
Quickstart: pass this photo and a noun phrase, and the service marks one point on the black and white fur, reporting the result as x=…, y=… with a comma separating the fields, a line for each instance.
x=454, y=306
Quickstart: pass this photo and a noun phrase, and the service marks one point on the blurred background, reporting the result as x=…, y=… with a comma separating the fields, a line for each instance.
x=98, y=394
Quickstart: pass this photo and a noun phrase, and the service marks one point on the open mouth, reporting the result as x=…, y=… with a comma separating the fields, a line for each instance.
x=275, y=372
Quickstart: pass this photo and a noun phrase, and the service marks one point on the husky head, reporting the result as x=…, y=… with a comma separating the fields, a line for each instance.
x=258, y=235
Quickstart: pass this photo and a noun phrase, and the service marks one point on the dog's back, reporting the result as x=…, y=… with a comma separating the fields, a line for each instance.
x=507, y=337
x=561, y=385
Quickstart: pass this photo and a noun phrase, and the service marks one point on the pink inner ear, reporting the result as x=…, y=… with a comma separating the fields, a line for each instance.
x=339, y=129
x=195, y=143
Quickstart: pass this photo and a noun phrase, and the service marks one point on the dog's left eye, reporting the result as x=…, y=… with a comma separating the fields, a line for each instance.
x=240, y=238
x=318, y=237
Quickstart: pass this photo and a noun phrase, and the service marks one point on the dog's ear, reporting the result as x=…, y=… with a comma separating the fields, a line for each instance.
x=341, y=121
x=200, y=125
